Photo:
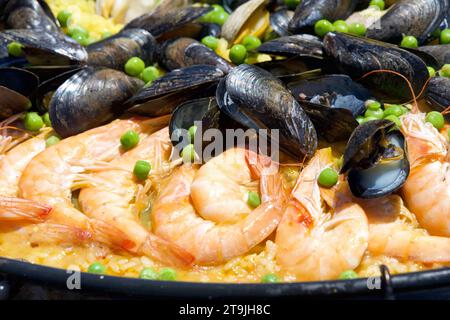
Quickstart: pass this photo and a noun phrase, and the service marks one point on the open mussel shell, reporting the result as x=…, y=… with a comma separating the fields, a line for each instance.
x=115, y=51
x=267, y=103
x=17, y=87
x=90, y=98
x=296, y=45
x=375, y=160
x=440, y=52
x=279, y=21
x=418, y=18
x=174, y=88
x=438, y=93
x=171, y=23
x=42, y=48
x=186, y=52
x=28, y=14
x=308, y=12
x=356, y=57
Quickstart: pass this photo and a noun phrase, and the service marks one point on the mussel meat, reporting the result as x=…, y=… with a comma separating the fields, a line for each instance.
x=418, y=18
x=438, y=93
x=17, y=88
x=375, y=160
x=28, y=14
x=115, y=51
x=186, y=52
x=174, y=88
x=356, y=57
x=90, y=98
x=310, y=11
x=266, y=102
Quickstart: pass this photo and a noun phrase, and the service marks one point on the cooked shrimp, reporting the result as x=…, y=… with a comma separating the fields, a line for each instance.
x=427, y=189
x=312, y=244
x=11, y=136
x=112, y=199
x=15, y=209
x=214, y=242
x=51, y=176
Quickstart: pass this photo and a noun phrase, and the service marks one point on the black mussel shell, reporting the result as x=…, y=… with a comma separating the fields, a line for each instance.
x=440, y=52
x=438, y=93
x=308, y=12
x=292, y=68
x=28, y=14
x=174, y=88
x=42, y=48
x=296, y=45
x=266, y=102
x=231, y=5
x=426, y=57
x=115, y=51
x=186, y=52
x=279, y=21
x=356, y=57
x=334, y=91
x=418, y=18
x=168, y=24
x=376, y=160
x=17, y=87
x=210, y=29
x=90, y=98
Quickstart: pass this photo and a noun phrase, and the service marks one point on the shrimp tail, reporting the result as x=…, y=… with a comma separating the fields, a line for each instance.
x=15, y=209
x=110, y=235
x=166, y=252
x=58, y=233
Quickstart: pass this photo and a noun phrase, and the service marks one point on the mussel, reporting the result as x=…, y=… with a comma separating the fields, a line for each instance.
x=296, y=45
x=186, y=52
x=440, y=52
x=438, y=93
x=332, y=102
x=43, y=48
x=311, y=11
x=28, y=14
x=279, y=21
x=90, y=98
x=115, y=51
x=17, y=88
x=375, y=160
x=171, y=23
x=417, y=18
x=357, y=57
x=266, y=102
x=174, y=88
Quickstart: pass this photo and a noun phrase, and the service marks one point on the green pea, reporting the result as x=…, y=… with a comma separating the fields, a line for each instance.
x=393, y=110
x=97, y=267
x=77, y=30
x=63, y=17
x=373, y=105
x=431, y=71
x=445, y=71
x=52, y=140
x=251, y=43
x=445, y=36
x=33, y=121
x=253, y=199
x=340, y=26
x=167, y=274
x=211, y=42
x=46, y=118
x=379, y=3
x=106, y=34
x=129, y=139
x=436, y=119
x=347, y=275
x=377, y=113
x=207, y=17
x=142, y=169
x=219, y=17
x=448, y=134
x=357, y=29
x=409, y=42
x=238, y=53
x=192, y=131
x=148, y=274
x=394, y=119
x=360, y=119
x=328, y=177
x=367, y=119
x=188, y=153
x=134, y=66
x=322, y=27
x=149, y=74
x=270, y=278
x=81, y=39
x=292, y=4
x=15, y=49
